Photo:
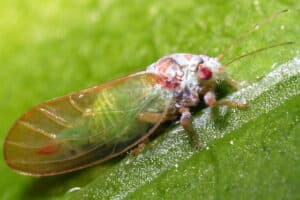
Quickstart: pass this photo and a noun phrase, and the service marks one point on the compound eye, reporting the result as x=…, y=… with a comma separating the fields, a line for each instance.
x=204, y=73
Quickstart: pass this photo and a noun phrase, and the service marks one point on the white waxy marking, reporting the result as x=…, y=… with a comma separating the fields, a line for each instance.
x=74, y=189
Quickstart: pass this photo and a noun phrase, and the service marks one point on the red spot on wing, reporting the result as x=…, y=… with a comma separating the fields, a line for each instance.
x=48, y=149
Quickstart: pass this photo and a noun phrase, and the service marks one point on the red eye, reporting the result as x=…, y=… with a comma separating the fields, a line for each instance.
x=204, y=73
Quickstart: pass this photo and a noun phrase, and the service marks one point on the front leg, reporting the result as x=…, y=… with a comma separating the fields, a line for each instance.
x=232, y=82
x=187, y=123
x=210, y=100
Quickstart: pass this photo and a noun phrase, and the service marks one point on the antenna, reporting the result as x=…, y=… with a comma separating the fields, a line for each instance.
x=244, y=34
x=256, y=51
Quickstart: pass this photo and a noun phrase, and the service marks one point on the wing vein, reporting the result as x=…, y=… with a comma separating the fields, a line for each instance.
x=36, y=129
x=55, y=118
x=22, y=145
x=75, y=105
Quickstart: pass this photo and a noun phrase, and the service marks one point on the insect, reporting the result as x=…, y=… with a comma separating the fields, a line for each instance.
x=96, y=124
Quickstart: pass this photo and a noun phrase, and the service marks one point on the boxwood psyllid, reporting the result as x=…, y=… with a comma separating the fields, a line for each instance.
x=96, y=124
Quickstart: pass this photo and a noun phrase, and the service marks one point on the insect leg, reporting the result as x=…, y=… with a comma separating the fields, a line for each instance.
x=139, y=148
x=187, y=124
x=232, y=82
x=210, y=100
x=152, y=117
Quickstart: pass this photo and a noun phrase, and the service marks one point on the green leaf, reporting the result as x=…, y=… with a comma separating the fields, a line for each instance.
x=245, y=153
x=51, y=48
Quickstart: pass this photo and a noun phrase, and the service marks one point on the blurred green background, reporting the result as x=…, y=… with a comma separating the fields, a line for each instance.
x=50, y=48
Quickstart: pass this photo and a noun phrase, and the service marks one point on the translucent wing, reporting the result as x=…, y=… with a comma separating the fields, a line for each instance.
x=85, y=128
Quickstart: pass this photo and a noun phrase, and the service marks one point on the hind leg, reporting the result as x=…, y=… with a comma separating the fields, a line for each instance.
x=139, y=148
x=149, y=117
x=153, y=118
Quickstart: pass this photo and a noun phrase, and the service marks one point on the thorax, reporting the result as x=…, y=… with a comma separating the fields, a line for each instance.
x=177, y=73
